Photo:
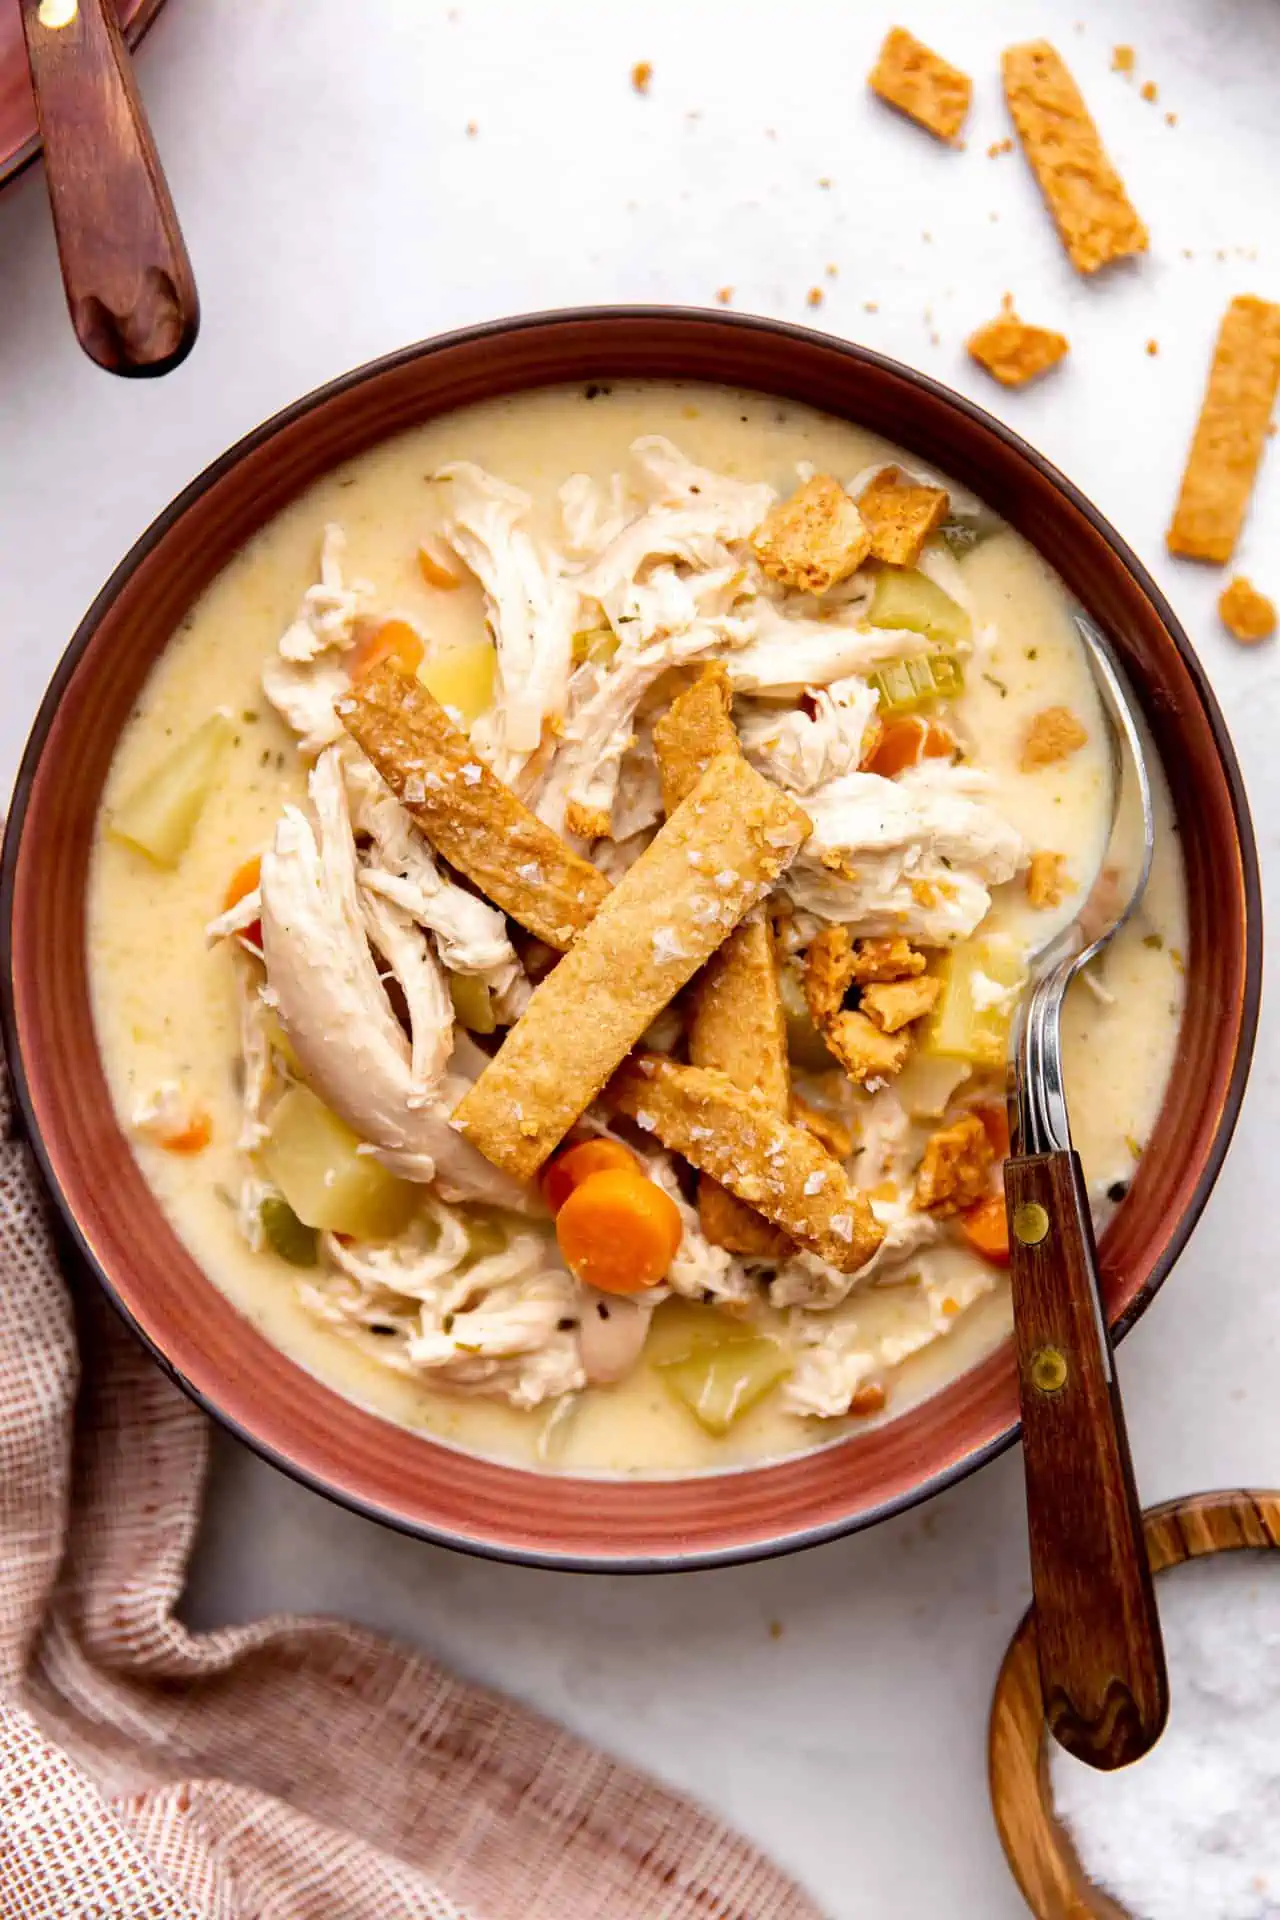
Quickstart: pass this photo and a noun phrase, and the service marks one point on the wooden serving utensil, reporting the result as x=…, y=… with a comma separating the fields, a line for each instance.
x=129, y=284
x=1037, y=1846
x=1102, y=1671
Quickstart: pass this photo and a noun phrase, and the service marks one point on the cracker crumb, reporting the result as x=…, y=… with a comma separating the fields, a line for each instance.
x=871, y=306
x=1122, y=59
x=831, y=269
x=886, y=959
x=956, y=1170
x=1153, y=348
x=1054, y=734
x=920, y=83
x=724, y=295
x=824, y=181
x=900, y=517
x=894, y=1004
x=472, y=129
x=814, y=297
x=1149, y=90
x=641, y=75
x=813, y=540
x=1095, y=218
x=1171, y=119
x=998, y=147
x=865, y=1052
x=1227, y=446
x=1013, y=351
x=1245, y=612
x=1047, y=884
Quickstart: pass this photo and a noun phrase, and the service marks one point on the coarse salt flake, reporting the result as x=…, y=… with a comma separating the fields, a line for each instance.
x=666, y=946
x=815, y=1183
x=842, y=1225
x=645, y=1119
x=473, y=773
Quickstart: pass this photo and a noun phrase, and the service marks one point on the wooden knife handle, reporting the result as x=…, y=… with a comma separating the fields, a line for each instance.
x=129, y=283
x=1102, y=1671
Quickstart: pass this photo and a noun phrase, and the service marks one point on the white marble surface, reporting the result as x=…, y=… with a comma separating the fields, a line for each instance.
x=336, y=208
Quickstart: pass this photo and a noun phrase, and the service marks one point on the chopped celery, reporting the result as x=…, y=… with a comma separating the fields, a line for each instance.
x=472, y=1002
x=316, y=1162
x=959, y=536
x=904, y=685
x=596, y=644
x=972, y=1016
x=805, y=1044
x=159, y=816
x=719, y=1384
x=905, y=597
x=462, y=677
x=285, y=1233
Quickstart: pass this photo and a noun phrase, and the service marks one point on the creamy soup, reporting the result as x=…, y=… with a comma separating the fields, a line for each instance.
x=665, y=733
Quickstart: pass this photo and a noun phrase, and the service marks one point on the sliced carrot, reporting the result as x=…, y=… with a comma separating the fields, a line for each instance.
x=870, y=1398
x=619, y=1231
x=394, y=639
x=906, y=742
x=245, y=880
x=570, y=1168
x=435, y=573
x=995, y=1119
x=193, y=1138
x=986, y=1228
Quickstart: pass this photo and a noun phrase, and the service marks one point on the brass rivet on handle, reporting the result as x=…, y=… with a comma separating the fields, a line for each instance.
x=1030, y=1223
x=1047, y=1370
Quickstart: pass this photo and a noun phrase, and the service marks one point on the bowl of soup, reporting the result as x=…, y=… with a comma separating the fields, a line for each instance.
x=515, y=903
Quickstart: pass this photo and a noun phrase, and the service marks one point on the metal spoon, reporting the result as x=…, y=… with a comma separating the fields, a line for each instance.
x=1102, y=1669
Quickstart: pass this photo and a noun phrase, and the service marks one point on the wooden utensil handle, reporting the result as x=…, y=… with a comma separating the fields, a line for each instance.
x=1102, y=1671
x=129, y=283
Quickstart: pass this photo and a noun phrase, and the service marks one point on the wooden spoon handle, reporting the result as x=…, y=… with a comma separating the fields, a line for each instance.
x=1102, y=1670
x=129, y=283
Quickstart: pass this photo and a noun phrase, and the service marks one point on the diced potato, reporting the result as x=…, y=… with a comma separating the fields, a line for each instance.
x=313, y=1158
x=159, y=817
x=719, y=1384
x=462, y=677
x=981, y=981
x=597, y=644
x=905, y=597
x=683, y=1327
x=904, y=685
x=472, y=1002
x=285, y=1233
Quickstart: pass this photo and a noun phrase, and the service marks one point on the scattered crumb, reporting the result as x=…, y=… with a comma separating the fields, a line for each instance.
x=1153, y=348
x=472, y=129
x=1149, y=90
x=771, y=133
x=1047, y=885
x=1187, y=254
x=871, y=306
x=926, y=236
x=814, y=297
x=775, y=1629
x=1122, y=59
x=825, y=183
x=998, y=147
x=1095, y=218
x=1171, y=119
x=1245, y=612
x=1014, y=352
x=993, y=216
x=641, y=75
x=831, y=269
x=920, y=83
x=724, y=295
x=1054, y=734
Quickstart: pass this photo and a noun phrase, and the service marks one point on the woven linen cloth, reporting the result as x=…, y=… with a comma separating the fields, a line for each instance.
x=298, y=1769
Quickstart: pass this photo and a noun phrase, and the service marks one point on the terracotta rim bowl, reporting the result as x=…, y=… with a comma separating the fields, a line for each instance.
x=194, y=1331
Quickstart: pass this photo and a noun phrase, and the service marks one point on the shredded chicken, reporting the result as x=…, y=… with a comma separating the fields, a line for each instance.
x=805, y=750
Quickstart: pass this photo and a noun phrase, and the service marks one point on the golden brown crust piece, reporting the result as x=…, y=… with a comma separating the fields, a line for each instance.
x=780, y=1169
x=1053, y=734
x=1014, y=352
x=1230, y=433
x=894, y=1004
x=1047, y=883
x=828, y=973
x=813, y=540
x=900, y=516
x=1093, y=214
x=736, y=1022
x=823, y=1125
x=659, y=925
x=886, y=959
x=694, y=729
x=476, y=822
x=921, y=84
x=867, y=1055
x=1245, y=612
x=956, y=1170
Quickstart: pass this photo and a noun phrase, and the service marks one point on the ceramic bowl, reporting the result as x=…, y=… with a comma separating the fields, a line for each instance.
x=1038, y=1847
x=195, y=1332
